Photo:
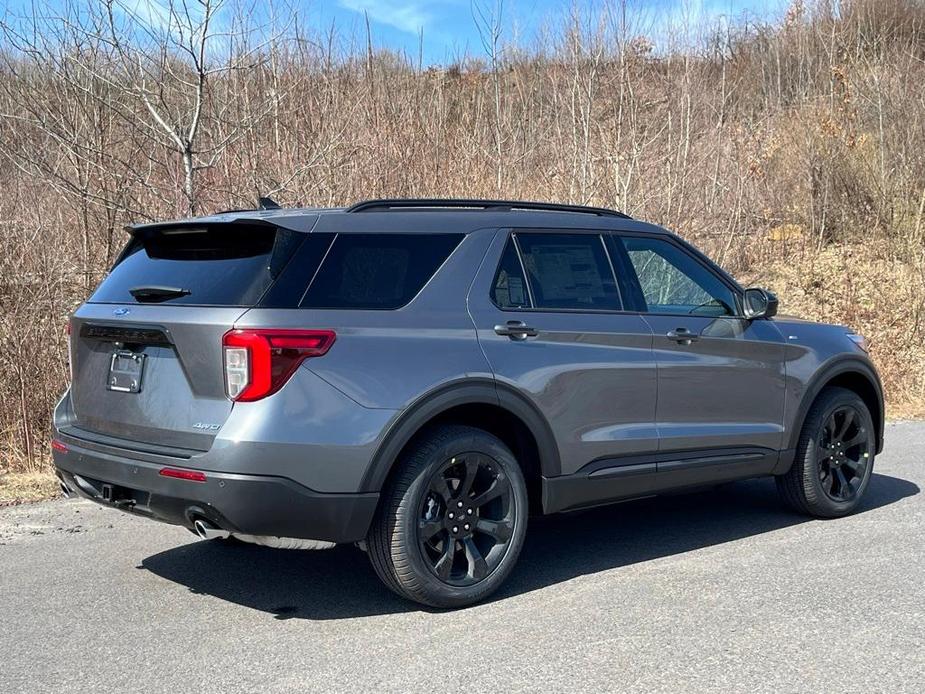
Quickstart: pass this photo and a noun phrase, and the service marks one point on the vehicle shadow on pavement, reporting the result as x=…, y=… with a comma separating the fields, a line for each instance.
x=340, y=583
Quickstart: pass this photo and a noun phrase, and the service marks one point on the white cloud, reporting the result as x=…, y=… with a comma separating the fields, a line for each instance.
x=180, y=21
x=407, y=16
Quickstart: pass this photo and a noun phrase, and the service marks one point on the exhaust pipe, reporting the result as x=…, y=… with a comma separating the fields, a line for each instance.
x=207, y=531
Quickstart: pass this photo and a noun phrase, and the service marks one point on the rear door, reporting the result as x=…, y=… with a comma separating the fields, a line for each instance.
x=550, y=320
x=146, y=348
x=721, y=377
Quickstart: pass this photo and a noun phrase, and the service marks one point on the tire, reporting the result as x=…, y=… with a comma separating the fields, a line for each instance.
x=457, y=496
x=830, y=474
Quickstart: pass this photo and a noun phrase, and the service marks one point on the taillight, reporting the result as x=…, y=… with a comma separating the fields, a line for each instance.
x=259, y=362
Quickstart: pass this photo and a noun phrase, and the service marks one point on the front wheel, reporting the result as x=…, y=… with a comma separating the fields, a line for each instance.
x=834, y=457
x=452, y=522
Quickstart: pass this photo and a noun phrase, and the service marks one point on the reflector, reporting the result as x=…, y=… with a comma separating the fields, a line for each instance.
x=189, y=475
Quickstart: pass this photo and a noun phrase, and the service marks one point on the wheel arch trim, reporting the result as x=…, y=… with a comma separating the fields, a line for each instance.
x=446, y=397
x=823, y=377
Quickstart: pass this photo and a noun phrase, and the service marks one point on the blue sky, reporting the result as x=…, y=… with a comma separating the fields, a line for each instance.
x=442, y=31
x=449, y=28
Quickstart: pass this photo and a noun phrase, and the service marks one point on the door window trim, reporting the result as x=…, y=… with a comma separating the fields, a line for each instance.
x=512, y=238
x=511, y=235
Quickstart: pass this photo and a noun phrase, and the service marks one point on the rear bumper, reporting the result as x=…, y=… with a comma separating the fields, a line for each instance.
x=245, y=504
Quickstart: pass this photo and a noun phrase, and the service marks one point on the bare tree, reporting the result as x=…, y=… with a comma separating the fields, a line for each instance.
x=170, y=56
x=488, y=18
x=790, y=149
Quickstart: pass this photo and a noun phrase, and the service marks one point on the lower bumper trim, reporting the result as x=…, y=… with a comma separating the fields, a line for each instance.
x=255, y=505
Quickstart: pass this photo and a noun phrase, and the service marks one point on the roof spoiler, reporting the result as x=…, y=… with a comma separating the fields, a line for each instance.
x=195, y=222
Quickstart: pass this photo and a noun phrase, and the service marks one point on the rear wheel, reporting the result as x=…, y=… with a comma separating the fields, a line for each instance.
x=834, y=457
x=452, y=522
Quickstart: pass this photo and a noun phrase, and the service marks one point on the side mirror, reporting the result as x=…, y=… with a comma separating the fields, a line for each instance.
x=759, y=303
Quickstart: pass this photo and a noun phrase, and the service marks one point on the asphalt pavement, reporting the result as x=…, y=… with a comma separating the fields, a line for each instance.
x=723, y=590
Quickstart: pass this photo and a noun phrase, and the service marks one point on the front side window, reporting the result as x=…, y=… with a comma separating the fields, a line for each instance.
x=377, y=271
x=569, y=271
x=673, y=282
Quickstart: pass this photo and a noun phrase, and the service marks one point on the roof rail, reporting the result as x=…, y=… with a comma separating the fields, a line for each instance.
x=463, y=203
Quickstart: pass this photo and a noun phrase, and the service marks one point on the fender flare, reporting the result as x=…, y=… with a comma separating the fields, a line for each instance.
x=837, y=367
x=467, y=392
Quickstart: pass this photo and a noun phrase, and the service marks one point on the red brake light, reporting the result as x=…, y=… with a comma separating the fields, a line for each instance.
x=188, y=475
x=259, y=362
x=59, y=446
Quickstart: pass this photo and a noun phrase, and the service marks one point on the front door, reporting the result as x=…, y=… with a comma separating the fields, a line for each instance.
x=721, y=377
x=550, y=320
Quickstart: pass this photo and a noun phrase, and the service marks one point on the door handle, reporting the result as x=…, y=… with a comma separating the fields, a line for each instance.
x=682, y=336
x=516, y=330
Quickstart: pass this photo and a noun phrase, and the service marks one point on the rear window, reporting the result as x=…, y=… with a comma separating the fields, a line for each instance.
x=377, y=271
x=223, y=265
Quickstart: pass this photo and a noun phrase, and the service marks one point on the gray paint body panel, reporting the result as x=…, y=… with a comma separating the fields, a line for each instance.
x=183, y=383
x=816, y=352
x=388, y=359
x=592, y=375
x=707, y=389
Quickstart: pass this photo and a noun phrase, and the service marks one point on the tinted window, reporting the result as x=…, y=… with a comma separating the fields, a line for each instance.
x=509, y=289
x=569, y=271
x=377, y=271
x=222, y=265
x=288, y=289
x=674, y=282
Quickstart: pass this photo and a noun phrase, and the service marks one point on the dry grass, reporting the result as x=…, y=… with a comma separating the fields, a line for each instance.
x=790, y=152
x=861, y=286
x=27, y=487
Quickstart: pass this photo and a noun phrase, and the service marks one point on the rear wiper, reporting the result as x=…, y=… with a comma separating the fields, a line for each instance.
x=156, y=294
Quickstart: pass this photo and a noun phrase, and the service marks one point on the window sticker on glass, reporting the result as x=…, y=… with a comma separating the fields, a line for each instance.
x=569, y=271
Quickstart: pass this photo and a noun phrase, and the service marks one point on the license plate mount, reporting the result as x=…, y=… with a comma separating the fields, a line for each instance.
x=126, y=369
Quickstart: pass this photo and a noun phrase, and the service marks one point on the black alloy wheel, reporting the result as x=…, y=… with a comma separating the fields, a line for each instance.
x=466, y=519
x=843, y=453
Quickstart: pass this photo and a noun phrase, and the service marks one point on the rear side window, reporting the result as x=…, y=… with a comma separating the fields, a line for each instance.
x=569, y=271
x=220, y=265
x=377, y=271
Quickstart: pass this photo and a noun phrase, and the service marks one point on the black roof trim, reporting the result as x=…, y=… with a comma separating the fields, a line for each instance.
x=476, y=204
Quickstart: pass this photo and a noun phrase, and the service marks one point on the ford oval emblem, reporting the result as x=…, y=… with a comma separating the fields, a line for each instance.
x=121, y=311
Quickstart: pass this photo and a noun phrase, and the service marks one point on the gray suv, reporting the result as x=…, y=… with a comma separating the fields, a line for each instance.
x=419, y=376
